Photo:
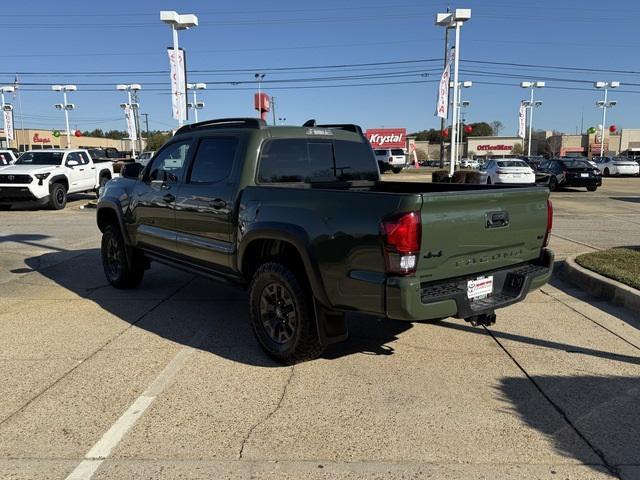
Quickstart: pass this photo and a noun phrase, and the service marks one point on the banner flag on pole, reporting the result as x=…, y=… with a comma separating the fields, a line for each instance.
x=178, y=84
x=522, y=120
x=442, y=107
x=131, y=124
x=8, y=125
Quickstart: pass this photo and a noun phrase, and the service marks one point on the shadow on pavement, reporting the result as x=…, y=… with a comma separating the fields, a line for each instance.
x=186, y=303
x=626, y=199
x=604, y=409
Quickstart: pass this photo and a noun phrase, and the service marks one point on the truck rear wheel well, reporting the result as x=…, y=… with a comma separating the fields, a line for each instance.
x=105, y=174
x=107, y=217
x=271, y=250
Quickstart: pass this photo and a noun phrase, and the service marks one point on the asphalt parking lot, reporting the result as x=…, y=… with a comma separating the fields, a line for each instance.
x=167, y=381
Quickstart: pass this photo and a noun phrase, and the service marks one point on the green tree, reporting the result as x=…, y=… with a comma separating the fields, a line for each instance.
x=517, y=149
x=480, y=129
x=157, y=139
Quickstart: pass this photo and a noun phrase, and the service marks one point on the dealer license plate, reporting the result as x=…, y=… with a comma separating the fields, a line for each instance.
x=584, y=174
x=479, y=288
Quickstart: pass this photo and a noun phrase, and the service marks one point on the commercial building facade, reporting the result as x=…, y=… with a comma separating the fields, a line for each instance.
x=34, y=139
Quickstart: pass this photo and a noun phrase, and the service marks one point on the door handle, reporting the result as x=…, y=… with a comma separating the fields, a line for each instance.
x=169, y=198
x=218, y=203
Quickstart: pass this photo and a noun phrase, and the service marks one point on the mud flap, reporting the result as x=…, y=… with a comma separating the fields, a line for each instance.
x=332, y=325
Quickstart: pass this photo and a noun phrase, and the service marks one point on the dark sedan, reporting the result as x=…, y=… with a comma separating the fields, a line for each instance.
x=571, y=173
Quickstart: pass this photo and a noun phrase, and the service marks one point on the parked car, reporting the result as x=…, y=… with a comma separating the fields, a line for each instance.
x=144, y=157
x=393, y=159
x=300, y=218
x=7, y=157
x=46, y=177
x=112, y=155
x=469, y=163
x=616, y=166
x=508, y=171
x=571, y=173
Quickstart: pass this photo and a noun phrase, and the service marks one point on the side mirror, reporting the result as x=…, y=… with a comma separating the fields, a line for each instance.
x=72, y=163
x=131, y=170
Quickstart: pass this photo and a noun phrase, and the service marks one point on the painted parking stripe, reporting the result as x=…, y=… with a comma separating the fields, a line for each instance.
x=112, y=437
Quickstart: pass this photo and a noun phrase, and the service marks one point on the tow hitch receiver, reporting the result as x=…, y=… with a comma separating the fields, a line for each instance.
x=484, y=320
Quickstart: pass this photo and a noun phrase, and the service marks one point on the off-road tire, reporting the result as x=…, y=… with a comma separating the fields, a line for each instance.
x=488, y=180
x=553, y=184
x=114, y=260
x=304, y=342
x=592, y=188
x=607, y=173
x=57, y=196
x=396, y=170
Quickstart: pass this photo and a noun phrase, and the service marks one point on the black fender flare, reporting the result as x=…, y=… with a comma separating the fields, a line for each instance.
x=296, y=236
x=55, y=179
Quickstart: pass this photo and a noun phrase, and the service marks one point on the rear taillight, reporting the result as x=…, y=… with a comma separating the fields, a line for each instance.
x=549, y=223
x=401, y=235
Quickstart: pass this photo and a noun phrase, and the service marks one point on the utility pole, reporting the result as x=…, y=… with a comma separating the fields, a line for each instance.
x=273, y=109
x=136, y=111
x=146, y=122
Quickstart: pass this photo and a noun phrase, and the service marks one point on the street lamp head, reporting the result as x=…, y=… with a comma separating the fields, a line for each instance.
x=462, y=14
x=467, y=84
x=614, y=84
x=8, y=107
x=122, y=87
x=56, y=88
x=201, y=86
x=600, y=84
x=70, y=106
x=539, y=84
x=135, y=87
x=59, y=106
x=466, y=103
x=537, y=103
x=600, y=103
x=199, y=104
x=8, y=89
x=124, y=105
x=526, y=84
x=179, y=22
x=612, y=103
x=70, y=88
x=444, y=19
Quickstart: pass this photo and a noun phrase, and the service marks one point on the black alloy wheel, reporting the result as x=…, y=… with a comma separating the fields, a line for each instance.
x=278, y=313
x=57, y=196
x=119, y=271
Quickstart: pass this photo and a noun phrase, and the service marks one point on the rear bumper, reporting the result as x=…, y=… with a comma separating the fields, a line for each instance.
x=408, y=299
x=583, y=182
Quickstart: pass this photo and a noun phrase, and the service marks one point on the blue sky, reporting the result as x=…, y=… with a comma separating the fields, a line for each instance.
x=64, y=40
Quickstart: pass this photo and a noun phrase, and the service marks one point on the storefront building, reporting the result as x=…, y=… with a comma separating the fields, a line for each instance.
x=494, y=147
x=32, y=139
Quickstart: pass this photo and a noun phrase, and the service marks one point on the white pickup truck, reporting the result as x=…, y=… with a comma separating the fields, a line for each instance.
x=46, y=177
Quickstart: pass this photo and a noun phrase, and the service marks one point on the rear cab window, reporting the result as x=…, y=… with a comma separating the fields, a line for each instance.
x=315, y=160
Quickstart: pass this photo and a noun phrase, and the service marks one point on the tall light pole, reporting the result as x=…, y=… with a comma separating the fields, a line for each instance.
x=65, y=106
x=531, y=104
x=196, y=105
x=5, y=106
x=604, y=104
x=458, y=138
x=133, y=108
x=178, y=22
x=455, y=20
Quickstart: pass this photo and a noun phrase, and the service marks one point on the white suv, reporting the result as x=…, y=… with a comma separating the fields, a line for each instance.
x=393, y=159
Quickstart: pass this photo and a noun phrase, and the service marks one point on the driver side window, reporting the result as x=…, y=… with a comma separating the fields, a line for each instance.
x=168, y=165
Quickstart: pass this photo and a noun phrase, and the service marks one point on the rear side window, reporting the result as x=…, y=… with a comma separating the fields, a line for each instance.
x=293, y=160
x=397, y=151
x=214, y=160
x=381, y=152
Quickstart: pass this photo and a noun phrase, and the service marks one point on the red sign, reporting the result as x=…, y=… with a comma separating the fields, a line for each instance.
x=38, y=139
x=261, y=102
x=494, y=147
x=387, y=137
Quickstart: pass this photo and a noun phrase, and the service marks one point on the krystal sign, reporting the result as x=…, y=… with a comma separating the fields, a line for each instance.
x=387, y=137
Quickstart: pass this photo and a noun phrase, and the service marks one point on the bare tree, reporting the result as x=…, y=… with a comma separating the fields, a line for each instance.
x=496, y=126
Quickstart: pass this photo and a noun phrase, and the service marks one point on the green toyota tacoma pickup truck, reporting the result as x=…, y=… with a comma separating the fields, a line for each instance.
x=300, y=218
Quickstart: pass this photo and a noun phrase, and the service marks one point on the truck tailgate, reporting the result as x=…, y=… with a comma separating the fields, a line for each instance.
x=470, y=232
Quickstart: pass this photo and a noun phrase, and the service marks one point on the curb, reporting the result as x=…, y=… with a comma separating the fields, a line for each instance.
x=601, y=286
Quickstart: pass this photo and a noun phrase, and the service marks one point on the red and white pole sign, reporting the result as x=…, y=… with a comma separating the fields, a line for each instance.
x=178, y=84
x=442, y=107
x=387, y=137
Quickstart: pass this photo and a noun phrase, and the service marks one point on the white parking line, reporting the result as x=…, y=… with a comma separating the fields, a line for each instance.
x=112, y=437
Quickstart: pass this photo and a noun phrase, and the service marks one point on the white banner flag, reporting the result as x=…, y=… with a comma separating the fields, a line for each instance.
x=131, y=123
x=442, y=108
x=178, y=84
x=8, y=125
x=522, y=120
